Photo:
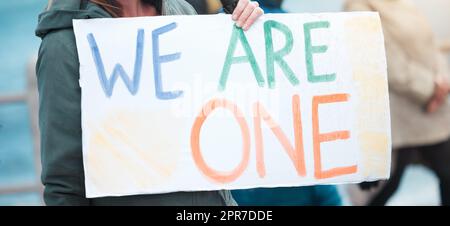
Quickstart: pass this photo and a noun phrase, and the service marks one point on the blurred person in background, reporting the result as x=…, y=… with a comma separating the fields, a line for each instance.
x=320, y=195
x=323, y=195
x=60, y=98
x=201, y=6
x=419, y=88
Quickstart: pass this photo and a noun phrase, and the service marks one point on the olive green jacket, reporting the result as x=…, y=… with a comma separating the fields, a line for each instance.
x=57, y=72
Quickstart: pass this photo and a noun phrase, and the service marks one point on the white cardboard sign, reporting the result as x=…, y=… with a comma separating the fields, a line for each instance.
x=190, y=103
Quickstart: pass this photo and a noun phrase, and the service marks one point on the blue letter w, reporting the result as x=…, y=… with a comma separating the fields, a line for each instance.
x=108, y=84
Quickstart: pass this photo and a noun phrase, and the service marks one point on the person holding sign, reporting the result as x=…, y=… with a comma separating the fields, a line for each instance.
x=60, y=95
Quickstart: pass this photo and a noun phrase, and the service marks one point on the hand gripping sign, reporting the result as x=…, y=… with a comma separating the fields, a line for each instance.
x=194, y=103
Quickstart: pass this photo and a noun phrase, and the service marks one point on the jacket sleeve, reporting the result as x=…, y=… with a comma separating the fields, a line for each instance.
x=57, y=72
x=406, y=77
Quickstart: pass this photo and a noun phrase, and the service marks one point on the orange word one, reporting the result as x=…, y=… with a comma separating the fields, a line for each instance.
x=295, y=151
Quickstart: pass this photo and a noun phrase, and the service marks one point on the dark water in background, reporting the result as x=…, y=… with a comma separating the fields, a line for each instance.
x=17, y=45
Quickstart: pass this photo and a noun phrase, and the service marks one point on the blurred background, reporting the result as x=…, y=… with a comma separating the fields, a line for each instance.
x=19, y=152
